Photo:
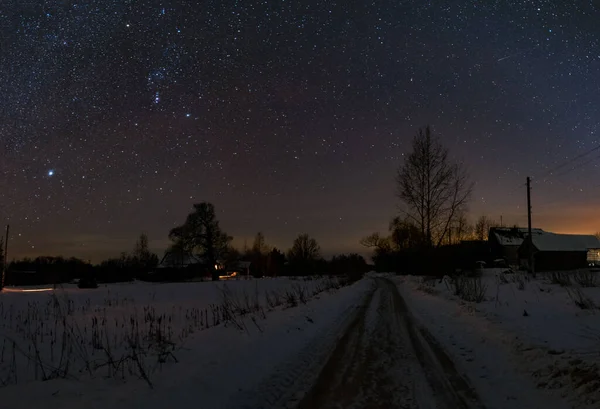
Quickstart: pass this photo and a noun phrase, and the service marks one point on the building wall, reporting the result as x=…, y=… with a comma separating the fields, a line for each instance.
x=560, y=260
x=511, y=255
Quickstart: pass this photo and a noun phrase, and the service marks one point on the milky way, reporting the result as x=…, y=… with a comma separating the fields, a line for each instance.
x=289, y=116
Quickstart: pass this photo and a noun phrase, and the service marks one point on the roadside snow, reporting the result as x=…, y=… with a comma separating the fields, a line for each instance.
x=526, y=345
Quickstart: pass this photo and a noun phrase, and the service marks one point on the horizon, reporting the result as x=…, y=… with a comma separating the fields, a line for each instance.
x=239, y=242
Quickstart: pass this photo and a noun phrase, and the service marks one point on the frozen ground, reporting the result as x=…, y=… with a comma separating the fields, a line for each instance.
x=528, y=343
x=222, y=359
x=382, y=342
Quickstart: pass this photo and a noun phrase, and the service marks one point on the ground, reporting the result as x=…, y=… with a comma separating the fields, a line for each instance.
x=382, y=342
x=384, y=361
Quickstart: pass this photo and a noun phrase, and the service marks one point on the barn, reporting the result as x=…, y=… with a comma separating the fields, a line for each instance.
x=556, y=252
x=504, y=242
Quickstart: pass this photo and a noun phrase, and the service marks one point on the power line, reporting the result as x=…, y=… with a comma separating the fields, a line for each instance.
x=575, y=167
x=566, y=163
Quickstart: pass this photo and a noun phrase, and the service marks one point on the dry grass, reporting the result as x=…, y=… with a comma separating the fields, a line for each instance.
x=471, y=289
x=54, y=338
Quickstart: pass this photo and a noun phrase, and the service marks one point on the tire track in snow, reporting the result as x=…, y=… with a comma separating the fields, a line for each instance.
x=390, y=364
x=289, y=381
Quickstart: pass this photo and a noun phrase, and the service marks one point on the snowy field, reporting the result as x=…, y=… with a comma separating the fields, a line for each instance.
x=538, y=339
x=226, y=344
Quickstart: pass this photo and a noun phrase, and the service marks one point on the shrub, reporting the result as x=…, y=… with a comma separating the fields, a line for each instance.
x=560, y=278
x=427, y=285
x=581, y=300
x=519, y=280
x=586, y=278
x=470, y=289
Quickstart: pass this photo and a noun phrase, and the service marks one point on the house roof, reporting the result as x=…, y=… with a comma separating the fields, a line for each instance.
x=513, y=236
x=175, y=259
x=565, y=242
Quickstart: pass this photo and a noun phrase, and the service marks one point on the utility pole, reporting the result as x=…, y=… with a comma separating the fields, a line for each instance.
x=530, y=238
x=5, y=257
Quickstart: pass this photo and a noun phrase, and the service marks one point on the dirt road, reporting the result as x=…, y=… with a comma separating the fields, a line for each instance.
x=385, y=361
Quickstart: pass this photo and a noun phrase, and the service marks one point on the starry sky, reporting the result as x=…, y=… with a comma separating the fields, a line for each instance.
x=290, y=116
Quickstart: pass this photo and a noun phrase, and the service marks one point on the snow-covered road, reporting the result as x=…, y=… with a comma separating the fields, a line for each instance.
x=384, y=361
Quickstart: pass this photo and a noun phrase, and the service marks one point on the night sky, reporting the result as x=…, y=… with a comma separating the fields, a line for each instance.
x=290, y=116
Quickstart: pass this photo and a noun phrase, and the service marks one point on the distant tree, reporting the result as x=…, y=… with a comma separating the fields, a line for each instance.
x=48, y=270
x=259, y=246
x=482, y=227
x=201, y=232
x=231, y=257
x=354, y=265
x=432, y=188
x=142, y=259
x=377, y=242
x=404, y=234
x=305, y=248
x=383, y=251
x=1, y=256
x=460, y=229
x=275, y=263
x=257, y=254
x=304, y=254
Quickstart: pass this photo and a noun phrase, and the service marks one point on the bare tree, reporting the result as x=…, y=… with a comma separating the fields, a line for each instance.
x=460, y=229
x=305, y=248
x=432, y=188
x=304, y=255
x=404, y=234
x=260, y=246
x=375, y=241
x=482, y=227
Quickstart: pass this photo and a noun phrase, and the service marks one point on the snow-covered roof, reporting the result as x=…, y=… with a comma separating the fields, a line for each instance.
x=513, y=236
x=175, y=259
x=565, y=242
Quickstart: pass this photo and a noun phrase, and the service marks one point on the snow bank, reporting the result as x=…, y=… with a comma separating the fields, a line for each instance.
x=526, y=335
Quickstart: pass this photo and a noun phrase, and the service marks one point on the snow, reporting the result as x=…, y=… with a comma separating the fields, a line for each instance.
x=509, y=236
x=565, y=242
x=527, y=345
x=252, y=361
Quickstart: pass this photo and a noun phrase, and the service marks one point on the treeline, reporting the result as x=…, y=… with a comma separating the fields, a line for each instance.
x=303, y=258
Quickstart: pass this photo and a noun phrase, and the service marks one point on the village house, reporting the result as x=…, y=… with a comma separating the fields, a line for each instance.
x=504, y=242
x=556, y=252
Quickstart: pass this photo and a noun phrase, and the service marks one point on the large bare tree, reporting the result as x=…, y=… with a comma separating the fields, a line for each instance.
x=305, y=248
x=434, y=190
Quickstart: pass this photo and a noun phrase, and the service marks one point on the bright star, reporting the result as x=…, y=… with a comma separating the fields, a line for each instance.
x=51, y=172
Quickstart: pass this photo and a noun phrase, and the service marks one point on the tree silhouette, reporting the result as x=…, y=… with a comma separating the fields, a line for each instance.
x=482, y=227
x=433, y=188
x=1, y=254
x=275, y=263
x=304, y=254
x=404, y=234
x=142, y=259
x=260, y=246
x=201, y=232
